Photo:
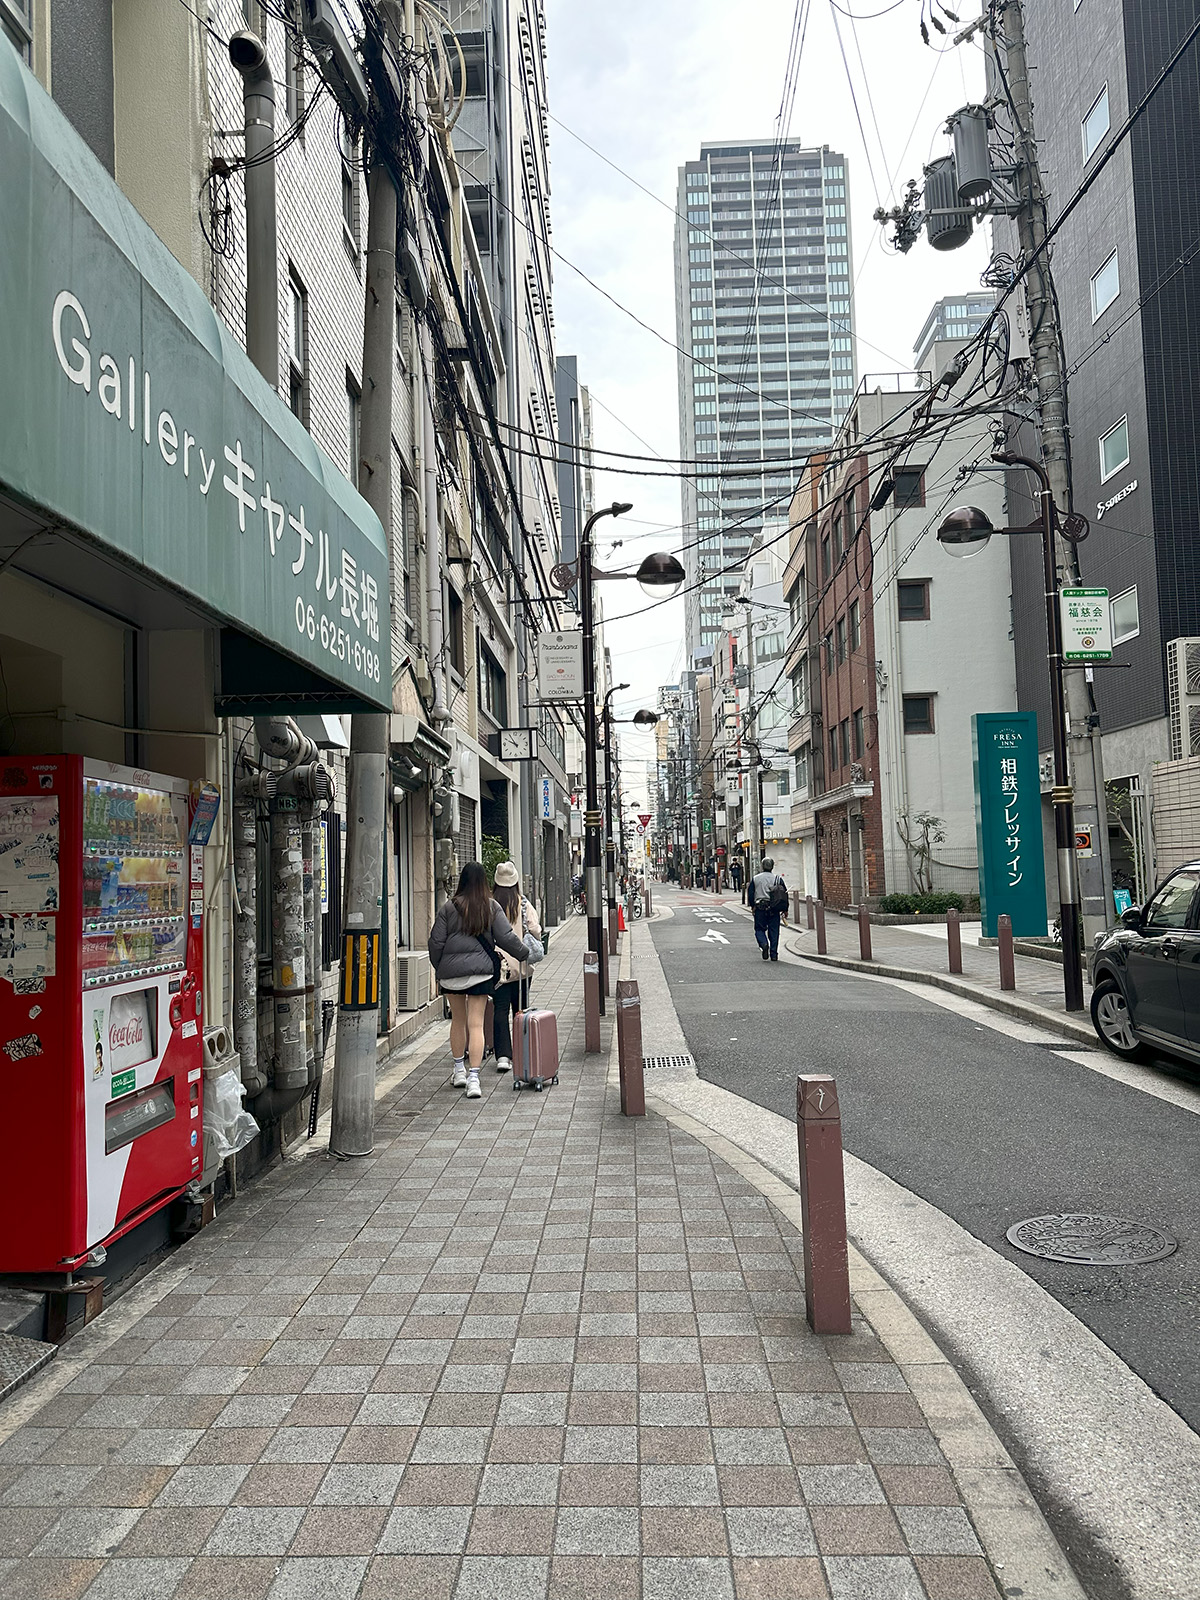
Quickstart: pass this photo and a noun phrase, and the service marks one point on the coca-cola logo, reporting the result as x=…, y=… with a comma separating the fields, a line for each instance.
x=125, y=1035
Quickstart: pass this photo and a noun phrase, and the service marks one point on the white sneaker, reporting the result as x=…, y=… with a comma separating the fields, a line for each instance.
x=474, y=1092
x=459, y=1078
x=503, y=1064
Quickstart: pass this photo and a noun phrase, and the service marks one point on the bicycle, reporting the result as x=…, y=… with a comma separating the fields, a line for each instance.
x=635, y=906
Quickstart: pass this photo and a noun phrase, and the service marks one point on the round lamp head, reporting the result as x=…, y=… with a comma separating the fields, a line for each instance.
x=661, y=575
x=965, y=532
x=645, y=719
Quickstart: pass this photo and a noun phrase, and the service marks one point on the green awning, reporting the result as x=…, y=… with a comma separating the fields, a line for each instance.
x=129, y=413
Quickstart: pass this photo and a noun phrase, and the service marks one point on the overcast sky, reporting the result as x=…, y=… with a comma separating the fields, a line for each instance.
x=646, y=82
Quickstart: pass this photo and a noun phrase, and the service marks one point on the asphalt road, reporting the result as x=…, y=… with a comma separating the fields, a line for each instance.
x=987, y=1129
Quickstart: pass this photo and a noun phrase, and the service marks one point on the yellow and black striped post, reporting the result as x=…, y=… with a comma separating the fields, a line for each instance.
x=360, y=970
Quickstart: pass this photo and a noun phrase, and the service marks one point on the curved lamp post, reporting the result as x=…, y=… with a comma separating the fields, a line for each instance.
x=659, y=575
x=965, y=532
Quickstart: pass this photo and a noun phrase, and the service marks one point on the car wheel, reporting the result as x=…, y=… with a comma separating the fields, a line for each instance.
x=1111, y=1020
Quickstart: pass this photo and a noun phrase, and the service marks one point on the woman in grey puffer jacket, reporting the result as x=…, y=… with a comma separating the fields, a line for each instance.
x=463, y=945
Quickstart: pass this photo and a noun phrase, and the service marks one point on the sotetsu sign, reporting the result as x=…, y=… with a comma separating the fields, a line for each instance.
x=132, y=415
x=1008, y=820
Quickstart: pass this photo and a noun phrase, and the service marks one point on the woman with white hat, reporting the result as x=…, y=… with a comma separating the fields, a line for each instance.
x=512, y=991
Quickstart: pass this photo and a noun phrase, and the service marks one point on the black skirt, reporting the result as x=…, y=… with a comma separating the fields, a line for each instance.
x=485, y=986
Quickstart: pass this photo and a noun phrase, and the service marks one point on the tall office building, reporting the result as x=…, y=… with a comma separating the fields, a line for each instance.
x=954, y=318
x=764, y=318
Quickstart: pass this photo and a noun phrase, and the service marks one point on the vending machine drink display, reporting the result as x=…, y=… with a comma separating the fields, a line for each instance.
x=101, y=1036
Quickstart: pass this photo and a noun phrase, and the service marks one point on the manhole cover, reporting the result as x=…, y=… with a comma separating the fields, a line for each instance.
x=1083, y=1236
x=686, y=1062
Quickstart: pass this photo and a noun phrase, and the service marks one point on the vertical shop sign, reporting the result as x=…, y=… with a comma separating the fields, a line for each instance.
x=1008, y=821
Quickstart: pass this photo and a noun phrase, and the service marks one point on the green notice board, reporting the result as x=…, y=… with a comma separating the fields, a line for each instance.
x=1008, y=821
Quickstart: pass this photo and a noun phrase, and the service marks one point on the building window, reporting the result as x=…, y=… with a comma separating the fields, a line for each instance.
x=1106, y=286
x=353, y=428
x=826, y=564
x=912, y=596
x=1125, y=624
x=1114, y=449
x=910, y=488
x=293, y=80
x=841, y=639
x=349, y=164
x=845, y=730
x=857, y=730
x=855, y=625
x=298, y=347
x=456, y=644
x=828, y=654
x=833, y=750
x=16, y=22
x=493, y=687
x=1095, y=124
x=918, y=713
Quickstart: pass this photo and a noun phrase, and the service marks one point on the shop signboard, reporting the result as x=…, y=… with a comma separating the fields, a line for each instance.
x=1086, y=625
x=1008, y=821
x=132, y=416
x=560, y=665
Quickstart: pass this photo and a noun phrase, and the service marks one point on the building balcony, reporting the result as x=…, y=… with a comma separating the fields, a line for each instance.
x=799, y=732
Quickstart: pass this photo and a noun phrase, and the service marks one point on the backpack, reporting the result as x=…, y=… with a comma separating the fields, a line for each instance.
x=777, y=900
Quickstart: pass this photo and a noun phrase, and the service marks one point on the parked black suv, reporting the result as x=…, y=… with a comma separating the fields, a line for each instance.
x=1146, y=974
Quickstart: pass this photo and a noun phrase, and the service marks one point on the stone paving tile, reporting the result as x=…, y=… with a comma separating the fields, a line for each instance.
x=526, y=1351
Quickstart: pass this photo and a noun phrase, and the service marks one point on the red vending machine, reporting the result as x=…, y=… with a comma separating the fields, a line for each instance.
x=101, y=1039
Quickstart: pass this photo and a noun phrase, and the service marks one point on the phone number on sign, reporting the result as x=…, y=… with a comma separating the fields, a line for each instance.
x=337, y=641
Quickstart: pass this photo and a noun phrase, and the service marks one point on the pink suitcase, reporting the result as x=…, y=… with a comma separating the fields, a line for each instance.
x=535, y=1049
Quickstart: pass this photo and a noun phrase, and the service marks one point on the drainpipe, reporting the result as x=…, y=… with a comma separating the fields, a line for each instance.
x=310, y=966
x=249, y=790
x=249, y=56
x=288, y=964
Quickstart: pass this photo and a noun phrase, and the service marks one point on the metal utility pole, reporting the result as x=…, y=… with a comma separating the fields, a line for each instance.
x=1046, y=352
x=353, y=1131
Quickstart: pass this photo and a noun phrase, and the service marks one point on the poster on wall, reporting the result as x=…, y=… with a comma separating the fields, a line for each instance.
x=28, y=853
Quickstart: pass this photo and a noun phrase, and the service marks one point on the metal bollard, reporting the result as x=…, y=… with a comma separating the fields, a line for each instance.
x=822, y=948
x=822, y=1204
x=954, y=940
x=796, y=907
x=808, y=902
x=591, y=1002
x=1008, y=970
x=646, y=898
x=629, y=1049
x=864, y=934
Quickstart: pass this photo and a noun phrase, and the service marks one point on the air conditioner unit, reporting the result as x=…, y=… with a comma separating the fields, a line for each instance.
x=412, y=979
x=1183, y=696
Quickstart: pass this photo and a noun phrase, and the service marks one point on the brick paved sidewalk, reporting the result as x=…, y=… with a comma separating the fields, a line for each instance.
x=526, y=1349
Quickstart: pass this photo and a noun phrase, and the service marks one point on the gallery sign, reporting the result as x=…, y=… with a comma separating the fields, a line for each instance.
x=132, y=415
x=1008, y=821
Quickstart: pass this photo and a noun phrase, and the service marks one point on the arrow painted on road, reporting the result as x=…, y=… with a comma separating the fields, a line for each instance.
x=712, y=937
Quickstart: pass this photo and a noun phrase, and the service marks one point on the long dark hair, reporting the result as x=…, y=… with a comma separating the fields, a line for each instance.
x=473, y=899
x=508, y=897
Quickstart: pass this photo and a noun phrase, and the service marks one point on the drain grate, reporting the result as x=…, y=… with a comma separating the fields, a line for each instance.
x=1084, y=1237
x=20, y=1359
x=687, y=1062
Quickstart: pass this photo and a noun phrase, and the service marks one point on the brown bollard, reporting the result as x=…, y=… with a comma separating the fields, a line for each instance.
x=864, y=933
x=1008, y=970
x=808, y=903
x=629, y=1048
x=796, y=907
x=822, y=1204
x=591, y=1002
x=646, y=898
x=612, y=930
x=819, y=908
x=954, y=940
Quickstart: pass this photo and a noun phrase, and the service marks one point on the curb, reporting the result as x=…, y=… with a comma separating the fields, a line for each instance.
x=1022, y=1010
x=1015, y=1536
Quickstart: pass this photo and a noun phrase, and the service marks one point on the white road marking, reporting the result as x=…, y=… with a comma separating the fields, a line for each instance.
x=1148, y=1079
x=712, y=937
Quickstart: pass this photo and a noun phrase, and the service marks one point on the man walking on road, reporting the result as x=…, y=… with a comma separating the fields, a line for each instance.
x=768, y=898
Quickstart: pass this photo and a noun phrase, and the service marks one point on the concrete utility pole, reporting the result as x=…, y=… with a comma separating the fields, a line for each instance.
x=755, y=788
x=1091, y=810
x=353, y=1130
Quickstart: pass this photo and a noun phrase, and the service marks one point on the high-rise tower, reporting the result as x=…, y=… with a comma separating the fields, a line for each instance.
x=764, y=316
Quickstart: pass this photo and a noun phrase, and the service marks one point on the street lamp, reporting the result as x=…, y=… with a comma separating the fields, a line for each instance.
x=965, y=532
x=610, y=845
x=657, y=574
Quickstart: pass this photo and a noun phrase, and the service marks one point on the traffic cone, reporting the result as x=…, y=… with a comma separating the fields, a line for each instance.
x=620, y=918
